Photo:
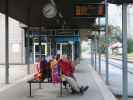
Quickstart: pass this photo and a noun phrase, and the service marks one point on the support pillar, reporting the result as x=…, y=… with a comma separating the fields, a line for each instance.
x=124, y=56
x=6, y=42
x=28, y=37
x=106, y=39
x=92, y=49
x=91, y=54
x=28, y=51
x=99, y=56
x=73, y=51
x=95, y=46
x=99, y=49
x=40, y=44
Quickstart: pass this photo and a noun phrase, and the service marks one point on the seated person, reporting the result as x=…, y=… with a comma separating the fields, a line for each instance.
x=68, y=73
x=38, y=75
x=41, y=69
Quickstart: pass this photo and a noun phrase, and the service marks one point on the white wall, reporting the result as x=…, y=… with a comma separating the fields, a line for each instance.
x=16, y=41
x=2, y=38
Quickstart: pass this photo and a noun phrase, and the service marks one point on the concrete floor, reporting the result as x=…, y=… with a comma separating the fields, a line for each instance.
x=16, y=72
x=85, y=75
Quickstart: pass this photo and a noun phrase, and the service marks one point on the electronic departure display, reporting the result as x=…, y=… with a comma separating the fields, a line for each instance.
x=89, y=10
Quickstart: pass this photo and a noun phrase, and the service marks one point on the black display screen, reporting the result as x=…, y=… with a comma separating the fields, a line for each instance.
x=89, y=10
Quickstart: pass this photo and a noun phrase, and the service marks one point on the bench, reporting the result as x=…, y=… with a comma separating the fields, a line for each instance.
x=40, y=87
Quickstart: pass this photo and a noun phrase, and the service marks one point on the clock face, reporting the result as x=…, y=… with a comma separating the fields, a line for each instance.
x=49, y=11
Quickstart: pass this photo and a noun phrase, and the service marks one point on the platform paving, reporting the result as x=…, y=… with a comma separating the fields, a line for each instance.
x=85, y=75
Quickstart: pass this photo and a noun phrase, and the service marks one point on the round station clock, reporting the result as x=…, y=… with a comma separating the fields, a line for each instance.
x=49, y=11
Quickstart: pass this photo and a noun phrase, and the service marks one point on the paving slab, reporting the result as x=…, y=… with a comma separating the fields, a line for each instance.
x=85, y=75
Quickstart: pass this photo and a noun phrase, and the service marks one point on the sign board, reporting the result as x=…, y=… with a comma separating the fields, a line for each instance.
x=89, y=10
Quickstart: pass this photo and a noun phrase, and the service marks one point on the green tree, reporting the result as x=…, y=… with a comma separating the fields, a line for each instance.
x=130, y=45
x=115, y=33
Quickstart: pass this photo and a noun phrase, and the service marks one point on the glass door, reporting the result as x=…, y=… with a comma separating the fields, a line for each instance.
x=39, y=51
x=65, y=49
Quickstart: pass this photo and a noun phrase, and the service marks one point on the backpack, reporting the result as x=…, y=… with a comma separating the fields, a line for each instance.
x=40, y=70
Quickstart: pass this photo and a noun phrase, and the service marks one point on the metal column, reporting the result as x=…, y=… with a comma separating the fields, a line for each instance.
x=28, y=37
x=95, y=46
x=99, y=49
x=34, y=53
x=28, y=51
x=124, y=35
x=99, y=55
x=92, y=54
x=72, y=51
x=40, y=44
x=106, y=39
x=6, y=42
x=50, y=47
x=61, y=49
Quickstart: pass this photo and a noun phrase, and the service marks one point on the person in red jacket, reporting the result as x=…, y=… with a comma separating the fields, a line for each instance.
x=68, y=71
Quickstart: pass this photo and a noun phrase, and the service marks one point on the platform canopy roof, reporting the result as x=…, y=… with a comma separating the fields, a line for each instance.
x=120, y=1
x=30, y=13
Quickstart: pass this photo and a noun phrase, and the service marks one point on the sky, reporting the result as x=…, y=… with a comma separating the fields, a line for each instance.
x=115, y=17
